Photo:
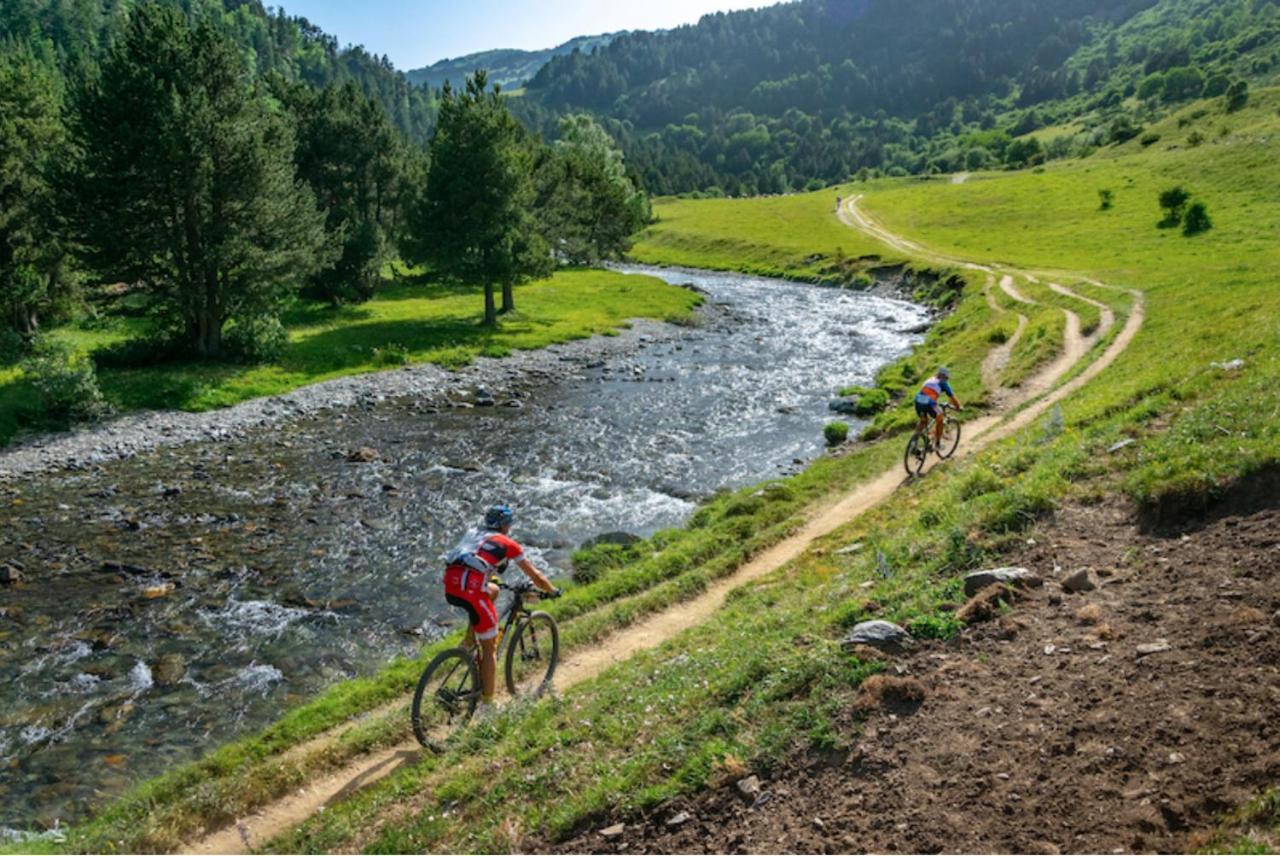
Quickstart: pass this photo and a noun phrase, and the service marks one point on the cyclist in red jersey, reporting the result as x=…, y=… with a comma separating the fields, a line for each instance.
x=480, y=553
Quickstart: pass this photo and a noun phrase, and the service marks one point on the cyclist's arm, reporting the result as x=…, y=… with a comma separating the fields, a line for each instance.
x=534, y=574
x=955, y=402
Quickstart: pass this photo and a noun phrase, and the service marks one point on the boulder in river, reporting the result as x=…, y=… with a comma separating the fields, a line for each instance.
x=364, y=455
x=879, y=634
x=843, y=405
x=168, y=670
x=976, y=581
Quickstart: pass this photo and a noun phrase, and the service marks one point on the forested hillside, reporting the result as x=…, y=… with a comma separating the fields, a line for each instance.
x=812, y=92
x=506, y=67
x=76, y=32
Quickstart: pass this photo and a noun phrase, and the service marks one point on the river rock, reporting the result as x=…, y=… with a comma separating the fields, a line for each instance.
x=882, y=635
x=168, y=670
x=976, y=581
x=622, y=539
x=364, y=455
x=843, y=405
x=484, y=398
x=1079, y=582
x=9, y=575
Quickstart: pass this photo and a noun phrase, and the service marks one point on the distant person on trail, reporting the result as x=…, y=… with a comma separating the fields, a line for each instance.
x=927, y=402
x=480, y=553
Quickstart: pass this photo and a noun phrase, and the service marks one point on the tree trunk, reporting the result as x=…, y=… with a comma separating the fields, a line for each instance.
x=508, y=298
x=490, y=313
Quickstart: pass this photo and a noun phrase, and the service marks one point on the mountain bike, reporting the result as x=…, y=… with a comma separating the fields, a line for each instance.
x=921, y=442
x=450, y=689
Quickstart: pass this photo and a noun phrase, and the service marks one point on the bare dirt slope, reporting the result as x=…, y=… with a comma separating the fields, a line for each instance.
x=1048, y=730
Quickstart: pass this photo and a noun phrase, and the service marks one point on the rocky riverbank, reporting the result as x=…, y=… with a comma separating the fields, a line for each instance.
x=131, y=434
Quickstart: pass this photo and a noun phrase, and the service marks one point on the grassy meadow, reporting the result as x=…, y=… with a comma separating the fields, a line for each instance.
x=409, y=321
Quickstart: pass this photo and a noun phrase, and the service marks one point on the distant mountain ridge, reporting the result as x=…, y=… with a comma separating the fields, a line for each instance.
x=508, y=67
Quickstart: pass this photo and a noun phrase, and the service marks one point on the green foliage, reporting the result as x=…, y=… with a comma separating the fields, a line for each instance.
x=1197, y=219
x=273, y=43
x=835, y=433
x=185, y=180
x=31, y=137
x=869, y=400
x=1106, y=199
x=1173, y=200
x=257, y=339
x=588, y=207
x=65, y=381
x=353, y=159
x=472, y=222
x=1237, y=96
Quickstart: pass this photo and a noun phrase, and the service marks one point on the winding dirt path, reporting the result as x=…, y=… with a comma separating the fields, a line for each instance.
x=996, y=361
x=1033, y=398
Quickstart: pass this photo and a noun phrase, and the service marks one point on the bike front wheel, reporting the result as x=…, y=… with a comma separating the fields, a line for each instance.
x=950, y=439
x=532, y=655
x=917, y=453
x=446, y=697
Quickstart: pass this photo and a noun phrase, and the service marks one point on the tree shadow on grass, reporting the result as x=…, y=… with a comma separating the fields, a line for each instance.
x=452, y=341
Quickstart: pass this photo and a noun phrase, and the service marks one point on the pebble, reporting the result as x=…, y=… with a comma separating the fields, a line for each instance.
x=1079, y=582
x=679, y=819
x=749, y=787
x=976, y=581
x=613, y=831
x=1156, y=647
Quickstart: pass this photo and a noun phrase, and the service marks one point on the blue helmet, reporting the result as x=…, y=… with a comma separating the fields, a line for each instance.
x=498, y=516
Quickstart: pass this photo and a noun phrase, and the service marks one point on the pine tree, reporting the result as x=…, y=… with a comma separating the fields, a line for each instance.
x=30, y=135
x=186, y=181
x=473, y=222
x=351, y=155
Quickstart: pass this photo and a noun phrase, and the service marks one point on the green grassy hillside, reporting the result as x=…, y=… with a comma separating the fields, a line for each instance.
x=767, y=675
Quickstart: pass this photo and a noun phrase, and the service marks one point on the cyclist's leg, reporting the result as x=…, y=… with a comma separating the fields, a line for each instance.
x=937, y=427
x=486, y=629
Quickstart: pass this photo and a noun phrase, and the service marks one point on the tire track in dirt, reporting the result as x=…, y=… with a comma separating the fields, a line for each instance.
x=998, y=358
x=294, y=808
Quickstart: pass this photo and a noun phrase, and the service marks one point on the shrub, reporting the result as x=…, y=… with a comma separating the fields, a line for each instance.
x=1173, y=200
x=1195, y=139
x=12, y=345
x=1106, y=198
x=391, y=355
x=1149, y=140
x=65, y=380
x=1197, y=219
x=1237, y=96
x=836, y=433
x=261, y=339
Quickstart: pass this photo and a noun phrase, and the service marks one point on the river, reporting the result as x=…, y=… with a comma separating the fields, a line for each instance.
x=182, y=597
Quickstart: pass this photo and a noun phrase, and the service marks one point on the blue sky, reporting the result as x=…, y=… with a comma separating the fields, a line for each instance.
x=415, y=34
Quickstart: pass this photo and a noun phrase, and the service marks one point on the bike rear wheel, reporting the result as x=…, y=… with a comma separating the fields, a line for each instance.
x=917, y=453
x=532, y=655
x=447, y=694
x=950, y=439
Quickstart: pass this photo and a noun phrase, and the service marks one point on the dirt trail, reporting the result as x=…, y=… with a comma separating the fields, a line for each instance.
x=996, y=361
x=255, y=830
